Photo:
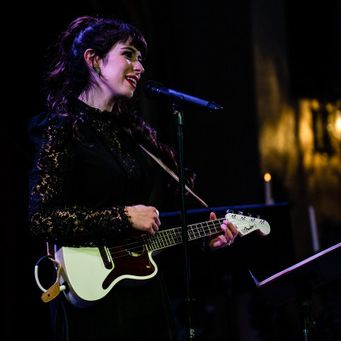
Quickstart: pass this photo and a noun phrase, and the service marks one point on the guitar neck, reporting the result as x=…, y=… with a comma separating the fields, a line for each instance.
x=173, y=236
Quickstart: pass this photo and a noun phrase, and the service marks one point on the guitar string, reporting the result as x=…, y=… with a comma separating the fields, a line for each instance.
x=159, y=243
x=164, y=236
x=124, y=253
x=167, y=231
x=175, y=231
x=192, y=228
x=160, y=237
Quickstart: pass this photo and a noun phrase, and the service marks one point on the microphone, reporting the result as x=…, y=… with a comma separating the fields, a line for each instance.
x=155, y=89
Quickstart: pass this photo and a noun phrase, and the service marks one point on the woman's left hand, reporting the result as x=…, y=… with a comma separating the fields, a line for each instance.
x=228, y=236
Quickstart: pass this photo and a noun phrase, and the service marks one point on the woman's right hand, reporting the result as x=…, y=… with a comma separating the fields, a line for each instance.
x=144, y=218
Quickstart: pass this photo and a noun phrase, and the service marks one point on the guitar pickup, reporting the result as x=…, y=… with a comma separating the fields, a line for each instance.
x=105, y=255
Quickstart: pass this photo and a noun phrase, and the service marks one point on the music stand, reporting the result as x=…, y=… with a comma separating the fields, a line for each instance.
x=300, y=279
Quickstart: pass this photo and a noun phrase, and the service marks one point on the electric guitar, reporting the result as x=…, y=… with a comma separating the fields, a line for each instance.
x=91, y=272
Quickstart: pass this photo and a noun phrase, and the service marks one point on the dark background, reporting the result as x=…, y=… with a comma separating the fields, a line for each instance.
x=204, y=49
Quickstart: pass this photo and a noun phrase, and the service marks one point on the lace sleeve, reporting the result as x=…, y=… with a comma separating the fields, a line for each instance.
x=50, y=216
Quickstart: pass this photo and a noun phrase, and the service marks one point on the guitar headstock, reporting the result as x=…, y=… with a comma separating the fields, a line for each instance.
x=248, y=224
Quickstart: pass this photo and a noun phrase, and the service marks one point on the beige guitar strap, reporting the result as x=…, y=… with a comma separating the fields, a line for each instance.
x=55, y=289
x=172, y=174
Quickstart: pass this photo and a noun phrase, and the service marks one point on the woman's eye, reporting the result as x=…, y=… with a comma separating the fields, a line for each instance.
x=128, y=54
x=133, y=56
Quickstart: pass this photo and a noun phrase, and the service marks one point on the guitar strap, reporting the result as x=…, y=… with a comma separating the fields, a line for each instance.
x=55, y=289
x=161, y=164
x=172, y=174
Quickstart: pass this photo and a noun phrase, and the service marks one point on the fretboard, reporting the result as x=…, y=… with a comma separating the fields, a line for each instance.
x=173, y=236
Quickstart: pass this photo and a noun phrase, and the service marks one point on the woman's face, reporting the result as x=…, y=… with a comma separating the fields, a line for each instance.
x=121, y=69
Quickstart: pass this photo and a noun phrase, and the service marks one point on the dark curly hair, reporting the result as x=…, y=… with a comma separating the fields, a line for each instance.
x=69, y=75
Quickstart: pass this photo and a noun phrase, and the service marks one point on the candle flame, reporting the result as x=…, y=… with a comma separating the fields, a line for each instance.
x=267, y=177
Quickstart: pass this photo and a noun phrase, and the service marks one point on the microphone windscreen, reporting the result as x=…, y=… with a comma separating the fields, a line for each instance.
x=151, y=88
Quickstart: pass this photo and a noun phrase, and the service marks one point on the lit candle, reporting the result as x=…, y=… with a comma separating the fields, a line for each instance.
x=267, y=189
x=313, y=229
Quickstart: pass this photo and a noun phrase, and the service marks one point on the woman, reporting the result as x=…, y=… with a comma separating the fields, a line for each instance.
x=90, y=184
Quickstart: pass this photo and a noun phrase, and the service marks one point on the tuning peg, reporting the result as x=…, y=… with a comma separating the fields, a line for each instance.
x=240, y=212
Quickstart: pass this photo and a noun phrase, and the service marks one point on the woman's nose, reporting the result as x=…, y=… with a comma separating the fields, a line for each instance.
x=138, y=67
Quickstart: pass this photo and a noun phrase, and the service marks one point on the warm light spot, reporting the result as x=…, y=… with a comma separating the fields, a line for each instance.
x=267, y=177
x=338, y=124
x=329, y=107
x=315, y=105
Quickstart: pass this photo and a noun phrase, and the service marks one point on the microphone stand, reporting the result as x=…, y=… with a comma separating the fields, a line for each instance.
x=190, y=331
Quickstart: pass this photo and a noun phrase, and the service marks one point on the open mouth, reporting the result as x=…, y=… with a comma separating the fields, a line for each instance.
x=132, y=81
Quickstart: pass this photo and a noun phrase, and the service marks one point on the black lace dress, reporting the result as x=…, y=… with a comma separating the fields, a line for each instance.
x=86, y=169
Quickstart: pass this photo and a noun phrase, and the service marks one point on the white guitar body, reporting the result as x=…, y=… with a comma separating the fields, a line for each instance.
x=89, y=273
x=86, y=273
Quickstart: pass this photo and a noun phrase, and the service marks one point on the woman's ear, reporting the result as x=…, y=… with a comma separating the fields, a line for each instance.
x=92, y=60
